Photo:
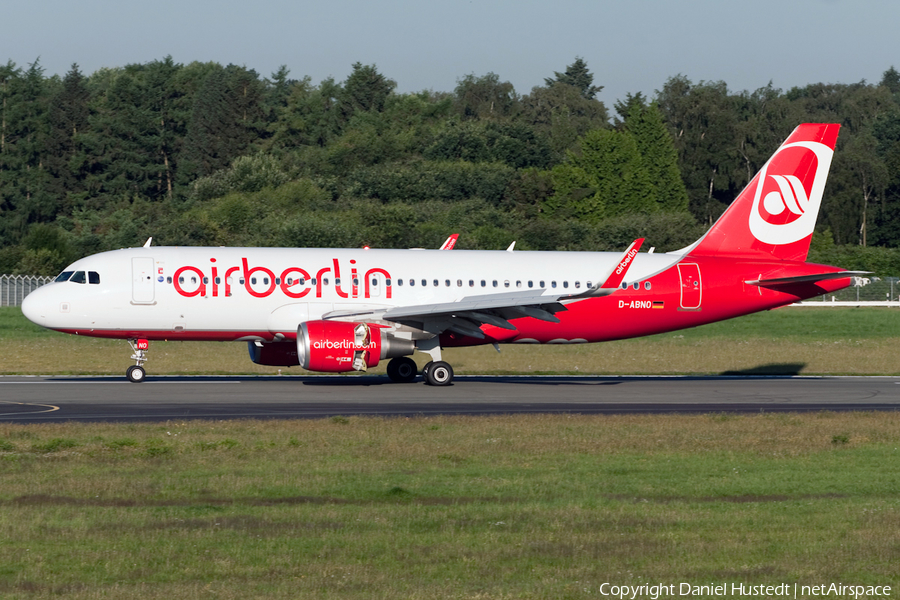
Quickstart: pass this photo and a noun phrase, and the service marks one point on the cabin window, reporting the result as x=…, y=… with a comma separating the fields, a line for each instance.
x=412, y=282
x=542, y=285
x=436, y=283
x=483, y=283
x=64, y=276
x=471, y=283
x=506, y=283
x=399, y=282
x=637, y=285
x=424, y=282
x=181, y=280
x=565, y=284
x=552, y=284
x=374, y=281
x=241, y=281
x=459, y=283
x=324, y=281
x=206, y=280
x=337, y=281
x=624, y=285
x=301, y=281
x=218, y=280
x=93, y=277
x=253, y=281
x=647, y=285
x=277, y=281
x=495, y=283
x=518, y=284
x=194, y=280
x=577, y=284
x=588, y=284
x=78, y=277
x=530, y=284
x=447, y=282
x=168, y=280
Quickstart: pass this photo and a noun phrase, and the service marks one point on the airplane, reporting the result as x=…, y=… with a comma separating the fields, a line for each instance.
x=345, y=310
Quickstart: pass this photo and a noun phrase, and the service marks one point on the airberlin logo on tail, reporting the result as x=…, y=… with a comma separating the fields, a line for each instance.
x=783, y=212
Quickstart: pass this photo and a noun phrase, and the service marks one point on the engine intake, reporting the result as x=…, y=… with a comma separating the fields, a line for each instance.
x=338, y=346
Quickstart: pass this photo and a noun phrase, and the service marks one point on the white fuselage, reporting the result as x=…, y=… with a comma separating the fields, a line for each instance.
x=257, y=293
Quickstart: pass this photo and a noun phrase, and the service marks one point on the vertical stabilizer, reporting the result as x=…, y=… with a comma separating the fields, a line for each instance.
x=775, y=215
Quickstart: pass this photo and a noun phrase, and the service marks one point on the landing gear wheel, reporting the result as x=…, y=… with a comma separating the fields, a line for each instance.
x=439, y=373
x=402, y=369
x=135, y=374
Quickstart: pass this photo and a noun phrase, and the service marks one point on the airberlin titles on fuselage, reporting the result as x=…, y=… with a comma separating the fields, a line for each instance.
x=294, y=282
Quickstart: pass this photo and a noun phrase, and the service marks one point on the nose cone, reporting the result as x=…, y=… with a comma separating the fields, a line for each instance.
x=36, y=306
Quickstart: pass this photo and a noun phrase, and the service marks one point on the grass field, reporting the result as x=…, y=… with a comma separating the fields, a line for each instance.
x=853, y=341
x=447, y=507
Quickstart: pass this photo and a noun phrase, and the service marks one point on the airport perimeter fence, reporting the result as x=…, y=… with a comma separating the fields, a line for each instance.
x=14, y=288
x=875, y=291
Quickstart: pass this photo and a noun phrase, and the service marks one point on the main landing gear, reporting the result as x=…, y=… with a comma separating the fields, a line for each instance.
x=136, y=373
x=403, y=370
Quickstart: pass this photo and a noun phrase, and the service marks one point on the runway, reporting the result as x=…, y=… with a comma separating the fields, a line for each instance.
x=59, y=399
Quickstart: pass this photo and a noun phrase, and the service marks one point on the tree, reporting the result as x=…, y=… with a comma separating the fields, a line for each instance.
x=365, y=90
x=67, y=118
x=485, y=97
x=891, y=80
x=578, y=76
x=227, y=116
x=562, y=114
x=657, y=152
x=607, y=178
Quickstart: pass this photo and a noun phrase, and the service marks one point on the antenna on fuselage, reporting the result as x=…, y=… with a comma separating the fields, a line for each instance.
x=147, y=243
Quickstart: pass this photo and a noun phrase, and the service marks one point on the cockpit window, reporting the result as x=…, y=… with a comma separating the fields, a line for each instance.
x=78, y=277
x=64, y=276
x=93, y=277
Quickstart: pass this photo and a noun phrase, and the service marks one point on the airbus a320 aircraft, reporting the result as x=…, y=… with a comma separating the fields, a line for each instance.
x=338, y=310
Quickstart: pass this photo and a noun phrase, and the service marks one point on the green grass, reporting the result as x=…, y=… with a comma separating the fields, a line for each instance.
x=447, y=507
x=846, y=341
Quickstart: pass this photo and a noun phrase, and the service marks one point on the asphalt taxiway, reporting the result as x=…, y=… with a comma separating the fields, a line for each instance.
x=58, y=399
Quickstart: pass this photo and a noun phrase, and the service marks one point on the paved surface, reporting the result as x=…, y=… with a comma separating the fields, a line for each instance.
x=56, y=399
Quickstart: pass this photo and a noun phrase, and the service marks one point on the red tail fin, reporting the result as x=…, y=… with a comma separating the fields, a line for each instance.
x=774, y=216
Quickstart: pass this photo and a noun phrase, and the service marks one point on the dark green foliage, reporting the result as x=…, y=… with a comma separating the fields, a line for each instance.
x=578, y=76
x=485, y=97
x=607, y=178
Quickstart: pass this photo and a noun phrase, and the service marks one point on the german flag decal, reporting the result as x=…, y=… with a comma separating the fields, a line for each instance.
x=659, y=304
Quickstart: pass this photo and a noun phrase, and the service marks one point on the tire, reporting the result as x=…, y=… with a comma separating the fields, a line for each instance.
x=135, y=374
x=402, y=369
x=439, y=373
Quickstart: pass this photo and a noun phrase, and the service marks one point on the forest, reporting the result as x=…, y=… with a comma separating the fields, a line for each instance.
x=205, y=154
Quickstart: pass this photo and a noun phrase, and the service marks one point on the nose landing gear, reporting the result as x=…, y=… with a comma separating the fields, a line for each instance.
x=136, y=373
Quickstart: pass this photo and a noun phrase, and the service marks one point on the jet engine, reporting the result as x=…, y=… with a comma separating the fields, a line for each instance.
x=337, y=346
x=274, y=354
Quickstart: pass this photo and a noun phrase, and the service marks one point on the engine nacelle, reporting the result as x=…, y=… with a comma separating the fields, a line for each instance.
x=337, y=346
x=274, y=354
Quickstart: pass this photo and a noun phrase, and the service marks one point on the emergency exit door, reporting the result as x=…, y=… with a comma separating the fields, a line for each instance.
x=142, y=280
x=691, y=288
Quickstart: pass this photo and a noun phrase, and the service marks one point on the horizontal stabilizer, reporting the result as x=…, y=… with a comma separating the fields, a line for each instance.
x=807, y=278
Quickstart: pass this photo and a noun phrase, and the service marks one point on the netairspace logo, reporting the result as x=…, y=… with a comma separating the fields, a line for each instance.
x=735, y=590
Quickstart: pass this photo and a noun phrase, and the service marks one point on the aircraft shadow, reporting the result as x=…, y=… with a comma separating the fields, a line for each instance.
x=770, y=369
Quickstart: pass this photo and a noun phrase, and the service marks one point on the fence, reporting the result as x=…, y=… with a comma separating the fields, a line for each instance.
x=14, y=288
x=865, y=290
